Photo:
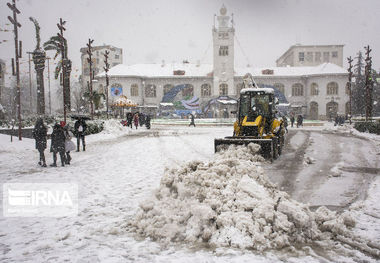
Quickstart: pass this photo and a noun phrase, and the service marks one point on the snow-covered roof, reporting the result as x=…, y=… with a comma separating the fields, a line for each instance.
x=160, y=70
x=225, y=102
x=322, y=69
x=266, y=90
x=181, y=70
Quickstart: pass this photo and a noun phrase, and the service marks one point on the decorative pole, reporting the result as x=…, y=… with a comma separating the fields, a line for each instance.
x=18, y=53
x=48, y=59
x=368, y=84
x=106, y=69
x=63, y=56
x=350, y=84
x=89, y=60
x=39, y=57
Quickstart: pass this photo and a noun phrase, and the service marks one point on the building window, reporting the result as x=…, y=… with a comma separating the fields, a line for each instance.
x=332, y=88
x=334, y=54
x=309, y=56
x=206, y=90
x=223, y=51
x=134, y=90
x=348, y=88
x=117, y=56
x=317, y=56
x=223, y=89
x=280, y=87
x=150, y=91
x=297, y=89
x=167, y=88
x=314, y=90
x=97, y=61
x=188, y=91
x=301, y=56
x=326, y=56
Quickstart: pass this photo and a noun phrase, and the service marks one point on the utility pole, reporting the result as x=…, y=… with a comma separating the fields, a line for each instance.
x=350, y=84
x=48, y=59
x=89, y=60
x=106, y=69
x=18, y=53
x=368, y=84
x=63, y=56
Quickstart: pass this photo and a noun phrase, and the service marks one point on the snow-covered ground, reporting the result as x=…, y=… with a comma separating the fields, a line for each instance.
x=122, y=168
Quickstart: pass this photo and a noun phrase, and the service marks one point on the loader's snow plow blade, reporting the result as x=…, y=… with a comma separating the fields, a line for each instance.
x=268, y=149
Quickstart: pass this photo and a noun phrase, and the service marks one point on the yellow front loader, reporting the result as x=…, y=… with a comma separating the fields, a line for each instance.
x=257, y=123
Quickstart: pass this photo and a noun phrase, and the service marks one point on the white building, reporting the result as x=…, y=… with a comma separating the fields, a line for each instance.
x=316, y=91
x=114, y=58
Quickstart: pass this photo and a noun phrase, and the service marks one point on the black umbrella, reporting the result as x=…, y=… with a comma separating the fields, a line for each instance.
x=80, y=117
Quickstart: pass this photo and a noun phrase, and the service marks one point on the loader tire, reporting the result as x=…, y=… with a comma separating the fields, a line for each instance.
x=275, y=148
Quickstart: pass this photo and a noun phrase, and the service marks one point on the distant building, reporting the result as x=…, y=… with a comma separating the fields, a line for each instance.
x=311, y=55
x=318, y=90
x=114, y=58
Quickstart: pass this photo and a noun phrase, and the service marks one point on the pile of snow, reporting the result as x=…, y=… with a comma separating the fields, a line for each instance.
x=113, y=126
x=229, y=202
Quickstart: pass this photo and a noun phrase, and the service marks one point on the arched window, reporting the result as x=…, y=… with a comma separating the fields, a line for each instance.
x=314, y=90
x=332, y=88
x=167, y=88
x=348, y=88
x=331, y=110
x=150, y=91
x=188, y=90
x=134, y=90
x=280, y=87
x=223, y=89
x=297, y=89
x=206, y=90
x=239, y=87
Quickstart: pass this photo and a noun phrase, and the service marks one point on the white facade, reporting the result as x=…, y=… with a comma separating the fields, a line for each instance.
x=317, y=92
x=115, y=58
x=223, y=45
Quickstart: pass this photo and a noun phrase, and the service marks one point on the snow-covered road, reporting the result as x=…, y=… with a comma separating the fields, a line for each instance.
x=116, y=173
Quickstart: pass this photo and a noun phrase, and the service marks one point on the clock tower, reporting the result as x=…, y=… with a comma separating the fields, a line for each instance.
x=223, y=44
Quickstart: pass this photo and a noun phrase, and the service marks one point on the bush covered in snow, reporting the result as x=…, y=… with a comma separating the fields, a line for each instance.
x=371, y=127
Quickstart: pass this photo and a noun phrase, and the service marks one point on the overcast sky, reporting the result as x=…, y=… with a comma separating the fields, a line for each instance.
x=173, y=30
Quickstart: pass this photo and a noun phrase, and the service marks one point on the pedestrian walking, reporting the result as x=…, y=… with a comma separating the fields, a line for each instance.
x=80, y=127
x=129, y=119
x=292, y=119
x=141, y=119
x=58, y=144
x=40, y=135
x=285, y=120
x=147, y=122
x=192, y=120
x=299, y=120
x=136, y=120
x=69, y=144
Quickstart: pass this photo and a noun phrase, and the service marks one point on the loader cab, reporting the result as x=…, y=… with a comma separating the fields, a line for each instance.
x=254, y=102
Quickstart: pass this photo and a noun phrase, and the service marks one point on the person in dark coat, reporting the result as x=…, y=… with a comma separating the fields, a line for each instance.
x=58, y=144
x=192, y=120
x=292, y=119
x=129, y=119
x=285, y=123
x=147, y=122
x=40, y=135
x=80, y=127
x=299, y=120
x=141, y=119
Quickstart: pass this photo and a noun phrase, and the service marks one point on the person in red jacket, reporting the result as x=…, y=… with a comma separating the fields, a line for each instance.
x=136, y=120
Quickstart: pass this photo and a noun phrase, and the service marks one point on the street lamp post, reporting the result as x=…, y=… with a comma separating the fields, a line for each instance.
x=89, y=60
